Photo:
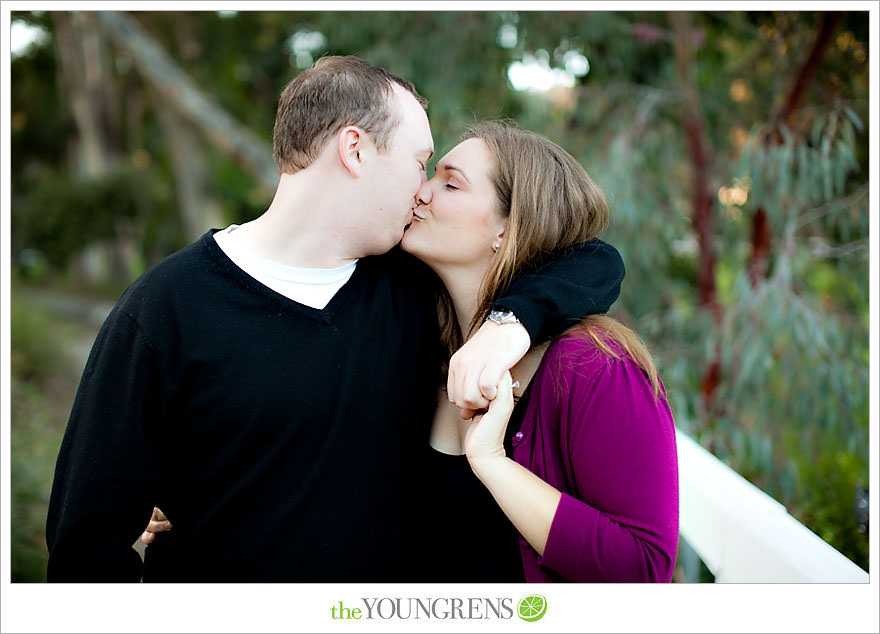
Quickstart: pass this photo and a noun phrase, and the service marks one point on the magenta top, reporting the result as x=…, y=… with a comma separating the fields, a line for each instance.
x=594, y=430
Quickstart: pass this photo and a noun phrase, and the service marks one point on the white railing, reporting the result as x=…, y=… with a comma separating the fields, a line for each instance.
x=745, y=536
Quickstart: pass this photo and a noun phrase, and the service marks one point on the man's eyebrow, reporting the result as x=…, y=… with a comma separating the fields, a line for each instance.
x=448, y=167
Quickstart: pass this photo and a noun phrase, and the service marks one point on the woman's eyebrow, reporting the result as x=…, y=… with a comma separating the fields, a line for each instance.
x=452, y=167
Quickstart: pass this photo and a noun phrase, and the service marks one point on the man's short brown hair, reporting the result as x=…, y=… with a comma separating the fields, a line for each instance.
x=337, y=91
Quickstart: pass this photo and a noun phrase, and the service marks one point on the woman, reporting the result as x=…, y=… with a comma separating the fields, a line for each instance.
x=584, y=465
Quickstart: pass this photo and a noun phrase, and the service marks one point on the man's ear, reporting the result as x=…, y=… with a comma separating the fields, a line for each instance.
x=351, y=141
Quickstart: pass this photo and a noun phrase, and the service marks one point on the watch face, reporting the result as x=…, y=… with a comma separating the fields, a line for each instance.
x=503, y=317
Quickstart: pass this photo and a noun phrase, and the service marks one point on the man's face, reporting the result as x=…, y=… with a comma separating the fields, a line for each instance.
x=399, y=172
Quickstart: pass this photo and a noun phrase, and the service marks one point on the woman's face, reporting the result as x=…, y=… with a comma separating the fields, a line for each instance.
x=457, y=221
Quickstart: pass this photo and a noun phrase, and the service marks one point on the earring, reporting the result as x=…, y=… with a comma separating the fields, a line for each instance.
x=495, y=247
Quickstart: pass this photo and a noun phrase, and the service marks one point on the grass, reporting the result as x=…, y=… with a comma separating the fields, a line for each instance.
x=43, y=384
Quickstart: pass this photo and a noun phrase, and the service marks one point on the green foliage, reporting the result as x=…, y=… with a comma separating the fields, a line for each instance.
x=34, y=348
x=794, y=417
x=41, y=387
x=64, y=215
x=789, y=177
x=783, y=356
x=831, y=485
x=35, y=439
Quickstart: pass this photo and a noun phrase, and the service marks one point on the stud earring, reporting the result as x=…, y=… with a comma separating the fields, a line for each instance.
x=495, y=247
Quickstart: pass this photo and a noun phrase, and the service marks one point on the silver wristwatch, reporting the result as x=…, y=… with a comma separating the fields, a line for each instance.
x=502, y=316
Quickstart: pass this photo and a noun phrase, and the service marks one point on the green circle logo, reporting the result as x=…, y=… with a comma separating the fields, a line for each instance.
x=532, y=607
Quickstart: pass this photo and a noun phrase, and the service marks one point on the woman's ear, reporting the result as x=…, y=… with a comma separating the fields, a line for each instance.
x=501, y=229
x=350, y=145
x=499, y=236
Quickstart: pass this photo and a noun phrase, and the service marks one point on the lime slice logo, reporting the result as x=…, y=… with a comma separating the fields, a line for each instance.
x=532, y=607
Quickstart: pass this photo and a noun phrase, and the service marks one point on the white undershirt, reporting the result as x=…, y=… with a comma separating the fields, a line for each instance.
x=312, y=287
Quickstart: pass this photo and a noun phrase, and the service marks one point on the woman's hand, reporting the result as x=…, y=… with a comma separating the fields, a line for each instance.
x=158, y=524
x=484, y=437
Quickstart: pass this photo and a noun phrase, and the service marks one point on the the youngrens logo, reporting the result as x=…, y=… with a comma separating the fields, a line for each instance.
x=530, y=608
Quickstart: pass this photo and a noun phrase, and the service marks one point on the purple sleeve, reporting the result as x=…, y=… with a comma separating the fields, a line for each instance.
x=618, y=520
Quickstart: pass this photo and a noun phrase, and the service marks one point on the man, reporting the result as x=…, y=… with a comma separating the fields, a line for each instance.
x=265, y=386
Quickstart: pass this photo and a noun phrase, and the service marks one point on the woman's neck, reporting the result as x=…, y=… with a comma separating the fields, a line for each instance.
x=463, y=286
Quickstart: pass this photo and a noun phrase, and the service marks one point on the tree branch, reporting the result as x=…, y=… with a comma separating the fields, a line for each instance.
x=157, y=67
x=801, y=81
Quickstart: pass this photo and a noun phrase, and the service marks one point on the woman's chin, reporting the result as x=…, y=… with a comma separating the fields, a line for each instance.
x=411, y=244
x=407, y=243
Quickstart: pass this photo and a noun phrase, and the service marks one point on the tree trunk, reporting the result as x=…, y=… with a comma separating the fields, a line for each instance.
x=807, y=71
x=701, y=193
x=760, y=247
x=82, y=71
x=198, y=212
x=91, y=90
x=698, y=150
x=761, y=236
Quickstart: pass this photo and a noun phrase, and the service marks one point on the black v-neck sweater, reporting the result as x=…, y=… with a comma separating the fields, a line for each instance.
x=280, y=440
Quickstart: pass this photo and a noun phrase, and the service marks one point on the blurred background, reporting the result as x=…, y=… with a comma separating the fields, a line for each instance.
x=733, y=148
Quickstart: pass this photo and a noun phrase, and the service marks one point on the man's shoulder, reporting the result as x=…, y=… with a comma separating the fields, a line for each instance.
x=196, y=253
x=399, y=265
x=172, y=274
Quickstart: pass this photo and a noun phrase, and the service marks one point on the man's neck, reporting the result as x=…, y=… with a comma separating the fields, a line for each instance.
x=302, y=227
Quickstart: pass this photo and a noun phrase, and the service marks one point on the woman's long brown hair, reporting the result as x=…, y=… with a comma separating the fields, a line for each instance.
x=551, y=204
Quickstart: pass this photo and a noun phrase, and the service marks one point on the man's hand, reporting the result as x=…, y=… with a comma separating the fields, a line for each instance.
x=158, y=524
x=476, y=369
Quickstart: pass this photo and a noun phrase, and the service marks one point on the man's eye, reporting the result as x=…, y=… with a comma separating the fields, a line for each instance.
x=450, y=186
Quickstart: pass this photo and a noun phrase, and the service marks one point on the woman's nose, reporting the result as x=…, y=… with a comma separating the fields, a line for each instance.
x=423, y=196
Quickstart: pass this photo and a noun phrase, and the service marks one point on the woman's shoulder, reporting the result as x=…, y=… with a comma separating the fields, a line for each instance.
x=592, y=358
x=578, y=345
x=587, y=358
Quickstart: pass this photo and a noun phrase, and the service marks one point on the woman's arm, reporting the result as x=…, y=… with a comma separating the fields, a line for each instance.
x=618, y=520
x=528, y=501
x=619, y=447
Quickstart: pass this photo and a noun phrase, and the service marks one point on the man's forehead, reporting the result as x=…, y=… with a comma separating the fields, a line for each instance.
x=413, y=121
